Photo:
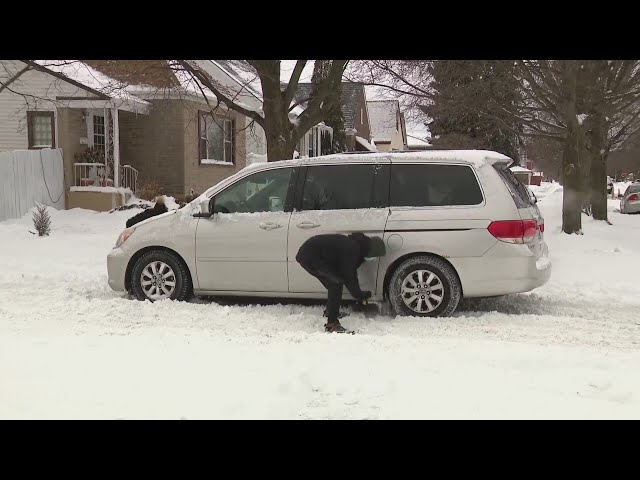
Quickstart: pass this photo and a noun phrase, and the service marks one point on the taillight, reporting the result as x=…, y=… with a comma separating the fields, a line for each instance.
x=632, y=197
x=514, y=231
x=541, y=227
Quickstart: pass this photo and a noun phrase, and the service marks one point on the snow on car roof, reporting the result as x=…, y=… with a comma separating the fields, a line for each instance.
x=474, y=157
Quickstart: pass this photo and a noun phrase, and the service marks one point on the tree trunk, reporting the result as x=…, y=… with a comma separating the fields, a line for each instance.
x=598, y=169
x=598, y=187
x=279, y=147
x=572, y=186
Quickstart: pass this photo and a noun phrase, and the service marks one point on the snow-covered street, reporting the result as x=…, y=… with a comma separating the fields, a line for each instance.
x=70, y=347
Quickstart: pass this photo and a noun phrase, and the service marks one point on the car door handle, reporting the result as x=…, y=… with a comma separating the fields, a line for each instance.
x=308, y=224
x=269, y=225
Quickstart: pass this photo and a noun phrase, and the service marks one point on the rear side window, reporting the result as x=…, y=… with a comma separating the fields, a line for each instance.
x=343, y=187
x=519, y=192
x=433, y=186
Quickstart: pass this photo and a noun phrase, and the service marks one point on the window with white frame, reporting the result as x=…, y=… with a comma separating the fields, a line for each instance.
x=216, y=139
x=99, y=136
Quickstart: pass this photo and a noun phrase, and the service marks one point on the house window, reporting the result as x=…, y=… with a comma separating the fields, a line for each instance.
x=99, y=137
x=41, y=130
x=362, y=116
x=216, y=140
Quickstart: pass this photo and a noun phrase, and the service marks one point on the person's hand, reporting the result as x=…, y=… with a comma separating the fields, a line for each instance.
x=365, y=295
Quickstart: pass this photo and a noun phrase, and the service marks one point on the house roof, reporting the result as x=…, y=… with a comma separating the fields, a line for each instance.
x=244, y=73
x=348, y=99
x=366, y=144
x=84, y=76
x=414, y=141
x=517, y=169
x=383, y=119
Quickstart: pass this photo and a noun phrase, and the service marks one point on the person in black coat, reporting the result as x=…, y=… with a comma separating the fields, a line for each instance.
x=157, y=209
x=334, y=260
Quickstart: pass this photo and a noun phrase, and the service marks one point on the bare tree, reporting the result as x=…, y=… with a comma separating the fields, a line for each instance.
x=282, y=132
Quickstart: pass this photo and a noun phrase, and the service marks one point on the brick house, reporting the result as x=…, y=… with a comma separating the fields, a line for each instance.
x=138, y=120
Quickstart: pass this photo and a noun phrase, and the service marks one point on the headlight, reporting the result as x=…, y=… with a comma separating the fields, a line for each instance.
x=126, y=233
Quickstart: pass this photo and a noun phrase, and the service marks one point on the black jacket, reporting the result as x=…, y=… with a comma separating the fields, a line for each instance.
x=157, y=209
x=338, y=256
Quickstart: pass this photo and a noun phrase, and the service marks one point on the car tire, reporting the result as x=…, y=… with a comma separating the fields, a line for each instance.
x=409, y=297
x=169, y=277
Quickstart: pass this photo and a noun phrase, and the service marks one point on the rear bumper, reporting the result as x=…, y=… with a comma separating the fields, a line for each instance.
x=632, y=207
x=503, y=270
x=117, y=262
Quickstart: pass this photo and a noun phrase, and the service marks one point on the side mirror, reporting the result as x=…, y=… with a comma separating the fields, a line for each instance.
x=206, y=209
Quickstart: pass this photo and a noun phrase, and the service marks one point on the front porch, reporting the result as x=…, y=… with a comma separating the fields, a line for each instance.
x=96, y=178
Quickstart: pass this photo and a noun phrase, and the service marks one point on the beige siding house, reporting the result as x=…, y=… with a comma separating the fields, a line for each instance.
x=387, y=125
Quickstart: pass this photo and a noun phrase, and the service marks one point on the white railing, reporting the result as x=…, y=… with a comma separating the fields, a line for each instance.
x=93, y=175
x=129, y=178
x=90, y=175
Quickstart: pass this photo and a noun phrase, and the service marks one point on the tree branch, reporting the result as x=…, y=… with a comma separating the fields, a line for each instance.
x=14, y=78
x=290, y=92
x=208, y=82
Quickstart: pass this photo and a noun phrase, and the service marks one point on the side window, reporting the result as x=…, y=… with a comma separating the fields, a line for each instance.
x=519, y=192
x=345, y=187
x=261, y=192
x=433, y=186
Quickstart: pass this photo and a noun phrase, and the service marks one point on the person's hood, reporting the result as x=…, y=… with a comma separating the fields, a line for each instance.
x=369, y=246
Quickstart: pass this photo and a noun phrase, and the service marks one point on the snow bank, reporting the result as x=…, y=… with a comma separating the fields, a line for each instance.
x=70, y=347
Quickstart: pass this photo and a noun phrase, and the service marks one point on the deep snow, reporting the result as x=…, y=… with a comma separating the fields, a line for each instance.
x=72, y=348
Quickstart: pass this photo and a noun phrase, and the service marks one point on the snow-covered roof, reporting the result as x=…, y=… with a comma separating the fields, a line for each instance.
x=365, y=144
x=413, y=141
x=383, y=118
x=79, y=72
x=517, y=169
x=244, y=73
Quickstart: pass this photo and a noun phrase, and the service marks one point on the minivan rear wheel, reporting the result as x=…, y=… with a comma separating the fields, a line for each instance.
x=160, y=275
x=424, y=286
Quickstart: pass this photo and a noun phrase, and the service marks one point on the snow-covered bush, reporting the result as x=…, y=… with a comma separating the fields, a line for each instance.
x=42, y=220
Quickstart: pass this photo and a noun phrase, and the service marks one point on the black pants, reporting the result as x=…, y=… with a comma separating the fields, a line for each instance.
x=334, y=285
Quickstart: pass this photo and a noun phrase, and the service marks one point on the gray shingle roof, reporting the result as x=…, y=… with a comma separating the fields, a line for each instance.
x=348, y=99
x=382, y=116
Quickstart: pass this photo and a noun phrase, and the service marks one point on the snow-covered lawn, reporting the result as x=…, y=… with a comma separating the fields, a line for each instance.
x=72, y=348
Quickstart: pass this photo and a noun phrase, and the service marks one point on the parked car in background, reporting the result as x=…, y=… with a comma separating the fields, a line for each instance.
x=630, y=199
x=455, y=223
x=609, y=186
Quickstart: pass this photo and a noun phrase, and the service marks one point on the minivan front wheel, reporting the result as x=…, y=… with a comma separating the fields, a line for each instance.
x=424, y=286
x=160, y=275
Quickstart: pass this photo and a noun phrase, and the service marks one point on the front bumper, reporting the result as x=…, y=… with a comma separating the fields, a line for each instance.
x=117, y=262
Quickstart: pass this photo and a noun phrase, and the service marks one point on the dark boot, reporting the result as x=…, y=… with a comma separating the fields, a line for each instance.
x=334, y=327
x=341, y=314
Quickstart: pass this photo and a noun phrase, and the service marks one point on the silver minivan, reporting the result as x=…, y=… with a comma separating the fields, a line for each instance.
x=455, y=223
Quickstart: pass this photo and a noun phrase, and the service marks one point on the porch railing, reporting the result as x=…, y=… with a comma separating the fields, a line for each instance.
x=90, y=175
x=94, y=175
x=129, y=178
